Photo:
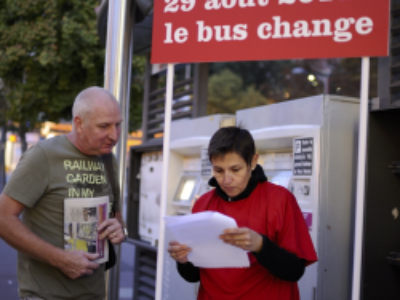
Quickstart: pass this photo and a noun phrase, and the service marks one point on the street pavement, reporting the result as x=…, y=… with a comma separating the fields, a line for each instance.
x=8, y=272
x=8, y=268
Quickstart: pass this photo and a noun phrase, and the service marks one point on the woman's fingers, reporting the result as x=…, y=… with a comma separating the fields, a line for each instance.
x=181, y=255
x=174, y=243
x=177, y=248
x=234, y=235
x=243, y=238
x=179, y=252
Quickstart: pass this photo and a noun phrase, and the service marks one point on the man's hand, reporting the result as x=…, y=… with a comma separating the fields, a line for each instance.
x=112, y=230
x=179, y=252
x=76, y=263
x=243, y=238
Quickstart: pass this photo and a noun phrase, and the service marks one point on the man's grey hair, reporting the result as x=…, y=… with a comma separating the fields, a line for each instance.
x=82, y=103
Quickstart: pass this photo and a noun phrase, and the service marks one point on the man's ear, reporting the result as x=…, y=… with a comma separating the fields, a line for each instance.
x=78, y=123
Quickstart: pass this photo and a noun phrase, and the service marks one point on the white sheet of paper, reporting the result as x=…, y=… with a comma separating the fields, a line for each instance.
x=200, y=232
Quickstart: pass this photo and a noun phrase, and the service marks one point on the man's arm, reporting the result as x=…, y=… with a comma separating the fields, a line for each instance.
x=72, y=263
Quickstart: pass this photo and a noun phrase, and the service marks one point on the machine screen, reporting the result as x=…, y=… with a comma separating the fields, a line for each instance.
x=281, y=178
x=187, y=189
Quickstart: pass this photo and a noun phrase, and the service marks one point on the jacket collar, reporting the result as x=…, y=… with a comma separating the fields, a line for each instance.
x=257, y=175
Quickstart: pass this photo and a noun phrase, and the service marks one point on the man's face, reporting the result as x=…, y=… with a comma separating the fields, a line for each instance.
x=99, y=129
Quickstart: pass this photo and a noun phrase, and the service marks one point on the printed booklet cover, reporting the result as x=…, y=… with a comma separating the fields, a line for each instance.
x=81, y=219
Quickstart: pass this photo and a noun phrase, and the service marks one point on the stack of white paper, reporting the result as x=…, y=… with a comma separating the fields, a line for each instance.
x=200, y=231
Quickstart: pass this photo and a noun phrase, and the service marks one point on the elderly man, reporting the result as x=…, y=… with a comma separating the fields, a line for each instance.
x=45, y=176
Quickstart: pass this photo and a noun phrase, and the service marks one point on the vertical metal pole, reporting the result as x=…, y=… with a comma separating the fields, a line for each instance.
x=117, y=79
x=361, y=167
x=146, y=100
x=2, y=157
x=164, y=185
x=3, y=139
x=200, y=92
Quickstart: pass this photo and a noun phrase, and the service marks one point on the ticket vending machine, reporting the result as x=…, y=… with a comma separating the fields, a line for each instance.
x=309, y=146
x=306, y=145
x=288, y=155
x=188, y=175
x=150, y=195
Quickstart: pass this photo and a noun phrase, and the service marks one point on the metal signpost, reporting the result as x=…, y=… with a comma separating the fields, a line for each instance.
x=117, y=73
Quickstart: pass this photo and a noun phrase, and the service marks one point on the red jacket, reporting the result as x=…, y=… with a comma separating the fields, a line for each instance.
x=270, y=210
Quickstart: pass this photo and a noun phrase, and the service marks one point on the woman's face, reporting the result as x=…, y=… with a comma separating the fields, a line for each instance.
x=232, y=173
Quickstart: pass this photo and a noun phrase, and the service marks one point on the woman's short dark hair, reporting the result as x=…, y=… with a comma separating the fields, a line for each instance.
x=232, y=140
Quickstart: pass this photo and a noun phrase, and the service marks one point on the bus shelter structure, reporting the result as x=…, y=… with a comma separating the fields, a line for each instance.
x=209, y=31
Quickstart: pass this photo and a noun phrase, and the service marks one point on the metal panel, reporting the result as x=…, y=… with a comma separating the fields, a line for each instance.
x=382, y=227
x=204, y=126
x=190, y=98
x=383, y=82
x=145, y=273
x=133, y=194
x=307, y=111
x=172, y=279
x=389, y=67
x=337, y=198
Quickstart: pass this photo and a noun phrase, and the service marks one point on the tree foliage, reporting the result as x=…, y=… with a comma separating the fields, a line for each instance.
x=238, y=85
x=137, y=85
x=49, y=51
x=226, y=94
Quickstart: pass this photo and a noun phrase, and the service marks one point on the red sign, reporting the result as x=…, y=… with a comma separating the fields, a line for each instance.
x=237, y=30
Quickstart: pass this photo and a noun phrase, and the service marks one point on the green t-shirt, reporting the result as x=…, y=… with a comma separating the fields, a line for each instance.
x=47, y=173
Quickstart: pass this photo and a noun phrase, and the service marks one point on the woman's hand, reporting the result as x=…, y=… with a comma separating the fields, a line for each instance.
x=243, y=238
x=179, y=252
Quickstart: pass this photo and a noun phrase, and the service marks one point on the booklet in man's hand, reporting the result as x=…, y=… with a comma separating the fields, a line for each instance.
x=81, y=219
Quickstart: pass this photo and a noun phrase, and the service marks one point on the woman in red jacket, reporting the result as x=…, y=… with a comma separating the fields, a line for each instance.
x=270, y=226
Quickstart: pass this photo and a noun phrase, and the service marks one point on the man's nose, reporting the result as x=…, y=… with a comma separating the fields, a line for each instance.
x=114, y=133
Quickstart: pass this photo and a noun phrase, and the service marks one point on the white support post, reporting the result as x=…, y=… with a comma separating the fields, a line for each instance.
x=164, y=185
x=361, y=168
